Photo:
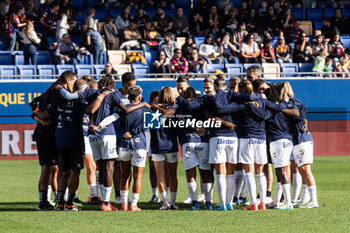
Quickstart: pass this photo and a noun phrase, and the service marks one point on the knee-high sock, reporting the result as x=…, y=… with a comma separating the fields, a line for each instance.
x=297, y=182
x=193, y=190
x=286, y=193
x=239, y=180
x=243, y=189
x=262, y=186
x=230, y=186
x=207, y=188
x=278, y=194
x=251, y=187
x=306, y=196
x=221, y=187
x=313, y=194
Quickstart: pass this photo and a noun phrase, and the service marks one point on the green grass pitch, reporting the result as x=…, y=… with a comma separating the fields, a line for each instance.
x=18, y=201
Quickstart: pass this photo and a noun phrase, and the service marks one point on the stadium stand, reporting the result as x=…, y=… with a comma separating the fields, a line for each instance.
x=45, y=71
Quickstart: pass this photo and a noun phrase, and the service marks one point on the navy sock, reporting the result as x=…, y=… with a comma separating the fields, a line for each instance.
x=70, y=198
x=42, y=195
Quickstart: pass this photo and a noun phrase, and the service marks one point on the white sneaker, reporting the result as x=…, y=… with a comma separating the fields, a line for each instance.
x=268, y=200
x=201, y=199
x=188, y=200
x=118, y=200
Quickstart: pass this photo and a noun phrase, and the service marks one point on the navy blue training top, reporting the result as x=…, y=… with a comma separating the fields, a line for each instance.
x=298, y=122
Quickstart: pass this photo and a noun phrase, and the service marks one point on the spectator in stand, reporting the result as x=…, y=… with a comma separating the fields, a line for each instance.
x=271, y=22
x=339, y=21
x=240, y=34
x=251, y=20
x=329, y=68
x=110, y=33
x=213, y=21
x=122, y=21
x=66, y=4
x=180, y=23
x=320, y=62
x=243, y=11
x=319, y=43
x=228, y=50
x=162, y=22
x=162, y=64
x=336, y=50
x=141, y=19
x=90, y=22
x=293, y=32
x=201, y=7
x=303, y=50
x=110, y=70
x=249, y=50
x=267, y=52
x=150, y=37
x=282, y=51
x=95, y=44
x=188, y=46
x=196, y=63
x=179, y=64
x=72, y=23
x=168, y=46
x=224, y=7
x=45, y=6
x=30, y=41
x=49, y=22
x=62, y=26
x=4, y=8
x=31, y=10
x=209, y=50
x=199, y=25
x=262, y=9
x=132, y=37
x=67, y=51
x=12, y=24
x=287, y=18
x=327, y=30
x=230, y=20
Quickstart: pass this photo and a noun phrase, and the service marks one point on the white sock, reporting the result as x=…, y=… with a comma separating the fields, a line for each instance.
x=135, y=198
x=286, y=193
x=306, y=196
x=221, y=187
x=278, y=194
x=49, y=189
x=251, y=187
x=164, y=196
x=239, y=179
x=66, y=195
x=313, y=194
x=97, y=174
x=262, y=186
x=155, y=192
x=173, y=197
x=207, y=189
x=92, y=190
x=193, y=190
x=124, y=196
x=167, y=192
x=102, y=190
x=230, y=186
x=108, y=191
x=76, y=195
x=244, y=186
x=297, y=182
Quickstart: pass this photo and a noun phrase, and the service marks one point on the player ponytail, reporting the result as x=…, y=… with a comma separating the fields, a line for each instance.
x=166, y=96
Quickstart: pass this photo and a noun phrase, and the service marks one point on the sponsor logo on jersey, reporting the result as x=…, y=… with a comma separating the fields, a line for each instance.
x=194, y=148
x=256, y=141
x=286, y=144
x=226, y=141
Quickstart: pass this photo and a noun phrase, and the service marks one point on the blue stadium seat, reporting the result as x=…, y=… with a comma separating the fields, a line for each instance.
x=274, y=41
x=26, y=70
x=42, y=57
x=289, y=68
x=328, y=12
x=150, y=56
x=185, y=4
x=62, y=68
x=236, y=3
x=305, y=67
x=346, y=12
x=235, y=69
x=46, y=71
x=19, y=59
x=170, y=12
x=318, y=25
x=78, y=3
x=8, y=70
x=80, y=18
x=77, y=40
x=314, y=14
x=2, y=45
x=246, y=65
x=345, y=40
x=199, y=40
x=90, y=59
x=298, y=13
x=100, y=14
x=211, y=67
x=5, y=58
x=98, y=69
x=50, y=40
x=140, y=69
x=84, y=69
x=151, y=13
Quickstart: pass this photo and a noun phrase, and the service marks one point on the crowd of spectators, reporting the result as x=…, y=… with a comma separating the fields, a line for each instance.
x=232, y=35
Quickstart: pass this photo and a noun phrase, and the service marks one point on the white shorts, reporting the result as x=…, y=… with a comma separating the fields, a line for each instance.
x=103, y=147
x=195, y=154
x=169, y=157
x=252, y=150
x=223, y=150
x=137, y=156
x=303, y=153
x=280, y=151
x=88, y=150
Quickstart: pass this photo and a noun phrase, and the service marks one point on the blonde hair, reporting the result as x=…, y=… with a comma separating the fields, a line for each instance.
x=286, y=90
x=246, y=87
x=166, y=96
x=29, y=27
x=90, y=81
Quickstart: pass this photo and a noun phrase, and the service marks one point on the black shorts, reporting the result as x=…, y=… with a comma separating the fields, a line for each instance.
x=47, y=149
x=71, y=157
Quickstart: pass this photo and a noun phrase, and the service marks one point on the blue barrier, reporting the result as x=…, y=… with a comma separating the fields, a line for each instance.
x=326, y=99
